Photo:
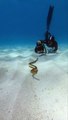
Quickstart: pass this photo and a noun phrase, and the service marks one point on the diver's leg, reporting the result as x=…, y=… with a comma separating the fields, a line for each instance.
x=55, y=48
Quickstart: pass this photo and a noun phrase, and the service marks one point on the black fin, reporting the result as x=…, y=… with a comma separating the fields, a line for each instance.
x=49, y=17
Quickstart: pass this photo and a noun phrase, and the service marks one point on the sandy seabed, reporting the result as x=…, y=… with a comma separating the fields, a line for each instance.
x=24, y=98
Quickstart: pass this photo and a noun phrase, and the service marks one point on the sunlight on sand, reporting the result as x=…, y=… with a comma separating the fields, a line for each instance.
x=24, y=98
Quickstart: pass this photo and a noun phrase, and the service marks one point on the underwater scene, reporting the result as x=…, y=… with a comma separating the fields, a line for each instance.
x=33, y=59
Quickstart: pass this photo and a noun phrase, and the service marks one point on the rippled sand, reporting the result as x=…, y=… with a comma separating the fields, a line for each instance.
x=25, y=98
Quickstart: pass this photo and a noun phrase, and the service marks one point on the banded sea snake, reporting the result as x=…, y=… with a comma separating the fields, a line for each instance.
x=34, y=69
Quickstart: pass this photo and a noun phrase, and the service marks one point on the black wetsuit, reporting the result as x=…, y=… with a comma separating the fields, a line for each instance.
x=50, y=41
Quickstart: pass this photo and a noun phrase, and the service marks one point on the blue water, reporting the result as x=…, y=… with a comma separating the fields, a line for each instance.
x=23, y=22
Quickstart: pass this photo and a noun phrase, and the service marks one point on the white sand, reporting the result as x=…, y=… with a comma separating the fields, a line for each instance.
x=25, y=98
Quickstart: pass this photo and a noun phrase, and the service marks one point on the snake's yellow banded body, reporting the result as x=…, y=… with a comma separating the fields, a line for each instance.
x=34, y=69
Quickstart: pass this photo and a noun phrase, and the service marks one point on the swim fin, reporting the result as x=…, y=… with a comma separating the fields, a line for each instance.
x=49, y=17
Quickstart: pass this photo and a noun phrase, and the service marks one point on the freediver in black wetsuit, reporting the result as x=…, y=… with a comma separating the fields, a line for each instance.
x=49, y=39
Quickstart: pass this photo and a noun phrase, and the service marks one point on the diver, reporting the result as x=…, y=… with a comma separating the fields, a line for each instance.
x=40, y=47
x=50, y=42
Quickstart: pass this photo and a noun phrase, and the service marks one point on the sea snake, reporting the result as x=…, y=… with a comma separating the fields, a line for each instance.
x=34, y=69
